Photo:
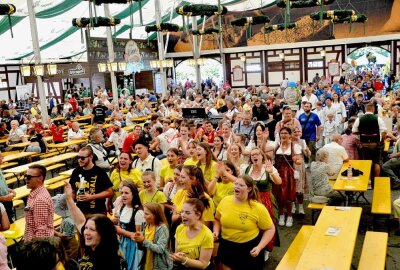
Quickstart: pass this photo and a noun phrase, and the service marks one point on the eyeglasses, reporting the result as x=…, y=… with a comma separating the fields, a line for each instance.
x=81, y=157
x=29, y=177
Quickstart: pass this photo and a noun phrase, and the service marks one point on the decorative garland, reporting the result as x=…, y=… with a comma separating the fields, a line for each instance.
x=95, y=22
x=8, y=9
x=247, y=21
x=205, y=31
x=280, y=26
x=100, y=2
x=201, y=10
x=333, y=14
x=360, y=18
x=163, y=27
x=303, y=3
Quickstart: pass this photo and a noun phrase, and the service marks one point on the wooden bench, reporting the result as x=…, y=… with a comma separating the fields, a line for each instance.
x=317, y=207
x=296, y=248
x=381, y=200
x=373, y=254
x=17, y=203
x=47, y=155
x=12, y=181
x=8, y=175
x=55, y=179
x=8, y=165
x=53, y=167
x=55, y=186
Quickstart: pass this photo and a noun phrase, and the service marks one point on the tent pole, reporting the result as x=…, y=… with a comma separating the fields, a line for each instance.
x=221, y=44
x=160, y=46
x=111, y=59
x=38, y=60
x=196, y=54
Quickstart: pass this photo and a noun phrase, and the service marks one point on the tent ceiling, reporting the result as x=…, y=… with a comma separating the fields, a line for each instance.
x=58, y=39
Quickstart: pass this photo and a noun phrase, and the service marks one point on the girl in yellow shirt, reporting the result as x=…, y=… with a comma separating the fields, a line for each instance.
x=245, y=227
x=124, y=171
x=194, y=187
x=222, y=185
x=194, y=242
x=167, y=172
x=150, y=193
x=192, y=160
x=154, y=238
x=206, y=161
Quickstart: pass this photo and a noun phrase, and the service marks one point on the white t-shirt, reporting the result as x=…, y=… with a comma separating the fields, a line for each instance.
x=126, y=215
x=296, y=149
x=118, y=138
x=73, y=134
x=337, y=154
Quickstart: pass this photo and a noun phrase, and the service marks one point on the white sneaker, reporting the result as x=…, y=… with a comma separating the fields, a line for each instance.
x=301, y=209
x=281, y=220
x=266, y=256
x=289, y=222
x=293, y=208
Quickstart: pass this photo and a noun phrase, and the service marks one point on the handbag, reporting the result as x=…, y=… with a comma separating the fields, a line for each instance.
x=296, y=173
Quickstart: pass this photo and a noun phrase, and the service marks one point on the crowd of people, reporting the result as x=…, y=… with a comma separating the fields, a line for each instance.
x=194, y=195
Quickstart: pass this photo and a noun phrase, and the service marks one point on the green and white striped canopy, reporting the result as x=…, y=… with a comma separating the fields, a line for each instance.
x=60, y=40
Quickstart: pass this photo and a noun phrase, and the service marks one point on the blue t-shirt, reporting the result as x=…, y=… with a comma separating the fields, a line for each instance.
x=309, y=130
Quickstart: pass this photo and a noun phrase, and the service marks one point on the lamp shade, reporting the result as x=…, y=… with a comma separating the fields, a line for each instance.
x=243, y=58
x=155, y=64
x=38, y=70
x=26, y=71
x=281, y=56
x=52, y=69
x=122, y=66
x=168, y=63
x=102, y=67
x=323, y=53
x=114, y=66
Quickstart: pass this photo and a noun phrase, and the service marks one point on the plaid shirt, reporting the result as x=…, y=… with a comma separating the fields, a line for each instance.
x=39, y=214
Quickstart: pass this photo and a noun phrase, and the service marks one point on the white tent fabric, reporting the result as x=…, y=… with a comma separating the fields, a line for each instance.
x=67, y=40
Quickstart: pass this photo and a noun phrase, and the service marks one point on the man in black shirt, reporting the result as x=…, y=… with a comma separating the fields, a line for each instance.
x=259, y=111
x=99, y=113
x=358, y=107
x=94, y=182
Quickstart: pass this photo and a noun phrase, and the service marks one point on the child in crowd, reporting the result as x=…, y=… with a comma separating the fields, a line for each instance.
x=330, y=128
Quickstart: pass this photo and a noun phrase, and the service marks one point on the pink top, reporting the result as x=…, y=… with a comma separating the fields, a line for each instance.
x=351, y=143
x=3, y=253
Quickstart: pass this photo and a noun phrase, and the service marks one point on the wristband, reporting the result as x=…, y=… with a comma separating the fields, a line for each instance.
x=185, y=262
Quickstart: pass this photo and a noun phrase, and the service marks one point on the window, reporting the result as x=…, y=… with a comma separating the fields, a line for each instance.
x=253, y=68
x=315, y=64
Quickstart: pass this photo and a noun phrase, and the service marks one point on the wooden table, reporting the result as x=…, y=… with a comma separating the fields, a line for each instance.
x=357, y=185
x=58, y=118
x=82, y=118
x=332, y=252
x=63, y=147
x=18, y=155
x=22, y=145
x=17, y=171
x=67, y=173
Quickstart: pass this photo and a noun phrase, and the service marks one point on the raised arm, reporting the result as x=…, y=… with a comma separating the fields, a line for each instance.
x=76, y=214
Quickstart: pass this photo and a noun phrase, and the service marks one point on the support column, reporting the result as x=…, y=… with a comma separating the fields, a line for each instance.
x=111, y=56
x=160, y=46
x=221, y=42
x=196, y=54
x=38, y=59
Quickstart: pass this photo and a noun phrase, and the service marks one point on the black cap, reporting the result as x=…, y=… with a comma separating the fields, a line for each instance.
x=141, y=141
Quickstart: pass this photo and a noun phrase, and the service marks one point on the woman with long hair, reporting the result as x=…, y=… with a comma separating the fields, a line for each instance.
x=226, y=132
x=153, y=240
x=183, y=142
x=261, y=140
x=124, y=171
x=100, y=237
x=206, y=161
x=222, y=185
x=193, y=239
x=150, y=193
x=264, y=176
x=194, y=187
x=301, y=182
x=219, y=150
x=167, y=171
x=235, y=155
x=340, y=108
x=286, y=155
x=243, y=226
x=171, y=188
x=128, y=221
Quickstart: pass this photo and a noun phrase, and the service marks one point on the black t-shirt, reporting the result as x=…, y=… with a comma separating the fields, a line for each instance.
x=39, y=139
x=99, y=113
x=97, y=182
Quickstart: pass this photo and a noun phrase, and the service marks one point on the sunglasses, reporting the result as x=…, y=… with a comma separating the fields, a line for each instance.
x=81, y=157
x=29, y=177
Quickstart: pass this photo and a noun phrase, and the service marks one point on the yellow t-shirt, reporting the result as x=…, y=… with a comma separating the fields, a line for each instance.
x=181, y=197
x=191, y=247
x=158, y=197
x=190, y=161
x=149, y=234
x=211, y=172
x=241, y=223
x=118, y=176
x=222, y=190
x=167, y=172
